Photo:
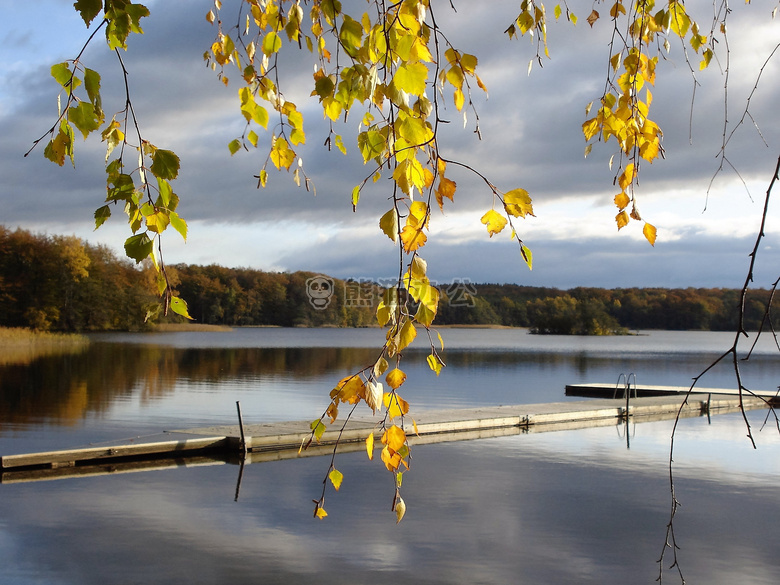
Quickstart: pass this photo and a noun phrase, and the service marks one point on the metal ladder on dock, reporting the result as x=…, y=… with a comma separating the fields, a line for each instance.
x=626, y=379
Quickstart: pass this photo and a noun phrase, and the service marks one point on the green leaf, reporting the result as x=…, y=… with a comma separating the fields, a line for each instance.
x=527, y=256
x=101, y=215
x=336, y=477
x=340, y=144
x=179, y=306
x=123, y=188
x=234, y=146
x=271, y=43
x=92, y=85
x=138, y=247
x=64, y=76
x=84, y=118
x=324, y=87
x=165, y=164
x=113, y=136
x=179, y=225
x=355, y=197
x=351, y=36
x=88, y=9
x=123, y=18
x=372, y=144
x=318, y=429
x=165, y=192
x=61, y=145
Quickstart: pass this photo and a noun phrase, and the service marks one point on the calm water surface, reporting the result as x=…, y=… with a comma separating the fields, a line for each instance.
x=586, y=506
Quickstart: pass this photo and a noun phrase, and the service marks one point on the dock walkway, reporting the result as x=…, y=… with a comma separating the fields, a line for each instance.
x=608, y=391
x=282, y=440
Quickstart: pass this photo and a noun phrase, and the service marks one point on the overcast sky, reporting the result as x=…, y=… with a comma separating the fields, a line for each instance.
x=531, y=138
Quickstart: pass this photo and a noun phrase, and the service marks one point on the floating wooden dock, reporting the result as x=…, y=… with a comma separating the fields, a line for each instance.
x=276, y=441
x=617, y=390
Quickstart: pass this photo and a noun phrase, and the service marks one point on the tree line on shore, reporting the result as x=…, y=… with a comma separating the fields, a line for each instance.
x=61, y=283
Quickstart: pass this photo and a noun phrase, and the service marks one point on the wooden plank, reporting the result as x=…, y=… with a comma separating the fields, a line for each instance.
x=26, y=475
x=71, y=457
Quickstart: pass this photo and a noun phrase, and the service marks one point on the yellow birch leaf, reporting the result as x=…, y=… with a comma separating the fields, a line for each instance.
x=434, y=363
x=380, y=367
x=418, y=268
x=425, y=315
x=281, y=154
x=414, y=425
x=419, y=211
x=383, y=314
x=518, y=197
x=400, y=510
x=413, y=238
x=394, y=438
x=351, y=389
x=390, y=459
x=319, y=512
x=446, y=189
x=494, y=221
x=527, y=256
x=590, y=128
x=394, y=379
x=458, y=99
x=388, y=223
x=396, y=406
x=411, y=78
x=336, y=477
x=621, y=219
x=407, y=336
x=622, y=200
x=370, y=446
x=517, y=202
x=627, y=177
x=332, y=412
x=649, y=232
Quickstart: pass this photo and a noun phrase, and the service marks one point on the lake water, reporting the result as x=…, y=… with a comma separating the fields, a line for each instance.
x=585, y=506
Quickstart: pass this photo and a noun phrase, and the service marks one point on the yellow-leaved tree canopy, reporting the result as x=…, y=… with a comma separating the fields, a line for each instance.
x=390, y=69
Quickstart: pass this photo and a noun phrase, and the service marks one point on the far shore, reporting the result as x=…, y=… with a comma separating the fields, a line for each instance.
x=22, y=336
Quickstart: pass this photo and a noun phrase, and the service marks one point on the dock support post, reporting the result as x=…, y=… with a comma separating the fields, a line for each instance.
x=241, y=429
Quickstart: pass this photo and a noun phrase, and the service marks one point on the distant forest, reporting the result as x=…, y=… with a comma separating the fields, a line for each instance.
x=61, y=283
